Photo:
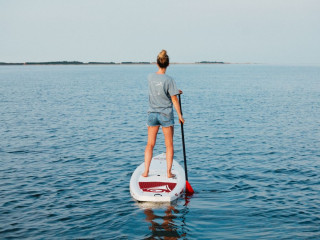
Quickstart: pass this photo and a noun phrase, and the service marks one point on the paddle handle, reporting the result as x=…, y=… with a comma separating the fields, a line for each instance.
x=183, y=144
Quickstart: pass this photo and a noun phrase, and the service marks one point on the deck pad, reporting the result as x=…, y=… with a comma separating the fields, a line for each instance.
x=157, y=187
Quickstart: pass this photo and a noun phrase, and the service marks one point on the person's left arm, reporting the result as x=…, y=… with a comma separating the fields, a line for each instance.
x=176, y=105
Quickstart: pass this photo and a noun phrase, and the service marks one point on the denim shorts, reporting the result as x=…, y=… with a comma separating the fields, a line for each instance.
x=157, y=119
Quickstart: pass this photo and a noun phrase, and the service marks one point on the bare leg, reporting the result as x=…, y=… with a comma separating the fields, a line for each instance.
x=168, y=138
x=152, y=137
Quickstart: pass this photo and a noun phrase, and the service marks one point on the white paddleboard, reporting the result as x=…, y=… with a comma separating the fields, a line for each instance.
x=157, y=187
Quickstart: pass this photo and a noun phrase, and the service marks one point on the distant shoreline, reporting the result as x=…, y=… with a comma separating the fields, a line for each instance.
x=99, y=63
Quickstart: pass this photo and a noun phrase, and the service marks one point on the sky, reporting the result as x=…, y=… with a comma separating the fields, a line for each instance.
x=237, y=31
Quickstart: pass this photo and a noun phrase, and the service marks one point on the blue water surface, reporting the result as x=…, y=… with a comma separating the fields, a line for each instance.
x=71, y=136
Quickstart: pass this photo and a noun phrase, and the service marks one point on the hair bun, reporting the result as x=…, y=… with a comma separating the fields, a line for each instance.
x=163, y=54
x=163, y=59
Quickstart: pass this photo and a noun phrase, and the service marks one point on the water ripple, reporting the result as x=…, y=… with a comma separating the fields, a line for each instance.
x=73, y=135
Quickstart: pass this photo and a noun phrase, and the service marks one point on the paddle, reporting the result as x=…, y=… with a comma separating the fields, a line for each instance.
x=189, y=189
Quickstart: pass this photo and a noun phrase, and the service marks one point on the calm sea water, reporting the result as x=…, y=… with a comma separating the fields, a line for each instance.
x=71, y=136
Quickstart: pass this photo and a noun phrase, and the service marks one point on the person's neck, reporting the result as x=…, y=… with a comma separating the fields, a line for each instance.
x=162, y=71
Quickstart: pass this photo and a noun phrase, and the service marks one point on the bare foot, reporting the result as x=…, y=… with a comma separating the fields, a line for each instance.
x=144, y=175
x=170, y=175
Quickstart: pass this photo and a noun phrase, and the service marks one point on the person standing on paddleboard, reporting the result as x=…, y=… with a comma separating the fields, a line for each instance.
x=162, y=97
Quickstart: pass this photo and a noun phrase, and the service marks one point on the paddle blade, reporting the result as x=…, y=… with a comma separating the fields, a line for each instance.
x=189, y=189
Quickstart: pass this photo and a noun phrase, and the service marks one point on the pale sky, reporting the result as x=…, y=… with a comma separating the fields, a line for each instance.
x=239, y=31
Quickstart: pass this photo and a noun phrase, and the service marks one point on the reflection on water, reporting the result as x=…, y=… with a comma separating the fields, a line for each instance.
x=166, y=221
x=164, y=225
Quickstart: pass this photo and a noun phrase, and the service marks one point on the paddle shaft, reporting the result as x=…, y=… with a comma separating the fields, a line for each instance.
x=183, y=145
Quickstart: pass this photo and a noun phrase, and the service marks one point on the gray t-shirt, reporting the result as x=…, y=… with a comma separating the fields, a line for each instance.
x=161, y=88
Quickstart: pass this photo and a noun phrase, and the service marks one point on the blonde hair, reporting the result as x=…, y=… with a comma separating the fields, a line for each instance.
x=163, y=59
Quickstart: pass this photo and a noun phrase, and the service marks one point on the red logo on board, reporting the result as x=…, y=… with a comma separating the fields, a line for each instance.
x=157, y=187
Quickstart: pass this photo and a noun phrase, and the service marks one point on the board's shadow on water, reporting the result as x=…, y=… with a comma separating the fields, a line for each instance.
x=167, y=219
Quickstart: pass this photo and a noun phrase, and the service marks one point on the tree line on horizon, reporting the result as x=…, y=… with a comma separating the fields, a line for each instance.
x=92, y=63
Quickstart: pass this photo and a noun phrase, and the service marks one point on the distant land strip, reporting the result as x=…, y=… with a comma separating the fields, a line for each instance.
x=97, y=63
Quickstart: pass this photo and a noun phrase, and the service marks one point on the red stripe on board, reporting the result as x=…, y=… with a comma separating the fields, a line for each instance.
x=157, y=186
